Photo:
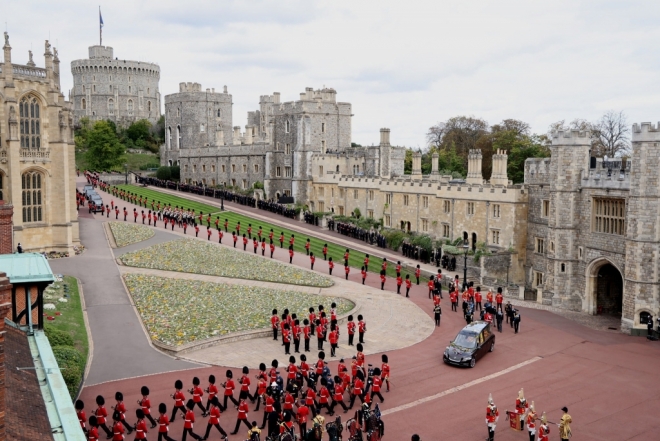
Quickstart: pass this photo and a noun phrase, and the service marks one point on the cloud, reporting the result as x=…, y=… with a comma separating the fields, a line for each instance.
x=403, y=65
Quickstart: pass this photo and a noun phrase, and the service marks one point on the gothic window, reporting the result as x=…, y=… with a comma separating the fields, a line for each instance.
x=149, y=106
x=83, y=104
x=130, y=107
x=31, y=197
x=609, y=216
x=219, y=113
x=169, y=138
x=30, y=124
x=111, y=106
x=287, y=126
x=178, y=137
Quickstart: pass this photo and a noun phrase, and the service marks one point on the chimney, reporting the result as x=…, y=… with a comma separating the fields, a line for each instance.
x=384, y=136
x=474, y=167
x=248, y=135
x=224, y=90
x=434, y=164
x=417, y=166
x=499, y=174
x=276, y=97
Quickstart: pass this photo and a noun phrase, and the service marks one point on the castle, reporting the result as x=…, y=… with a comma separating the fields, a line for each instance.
x=105, y=88
x=37, y=163
x=580, y=233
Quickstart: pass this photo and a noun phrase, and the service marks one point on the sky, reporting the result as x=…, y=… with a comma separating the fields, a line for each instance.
x=406, y=65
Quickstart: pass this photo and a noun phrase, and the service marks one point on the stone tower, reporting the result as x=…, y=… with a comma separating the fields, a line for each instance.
x=642, y=282
x=570, y=157
x=119, y=90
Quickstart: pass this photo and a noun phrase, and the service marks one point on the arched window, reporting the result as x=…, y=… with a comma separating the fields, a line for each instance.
x=178, y=137
x=130, y=107
x=169, y=138
x=219, y=113
x=31, y=184
x=148, y=106
x=111, y=106
x=83, y=104
x=2, y=193
x=287, y=126
x=30, y=123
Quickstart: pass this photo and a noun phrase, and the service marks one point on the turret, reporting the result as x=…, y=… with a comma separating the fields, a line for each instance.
x=7, y=70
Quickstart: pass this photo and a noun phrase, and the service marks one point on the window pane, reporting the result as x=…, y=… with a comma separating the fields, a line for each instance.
x=36, y=108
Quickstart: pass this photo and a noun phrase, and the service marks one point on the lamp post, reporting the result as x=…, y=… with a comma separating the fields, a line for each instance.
x=222, y=199
x=466, y=248
x=126, y=167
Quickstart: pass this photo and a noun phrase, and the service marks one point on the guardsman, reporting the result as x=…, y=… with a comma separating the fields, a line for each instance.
x=320, y=334
x=238, y=228
x=214, y=419
x=290, y=253
x=530, y=422
x=363, y=272
x=189, y=422
x=366, y=262
x=145, y=405
x=217, y=222
x=324, y=397
x=359, y=357
x=140, y=426
x=93, y=432
x=398, y=268
x=350, y=325
x=312, y=319
x=234, y=237
x=418, y=272
x=362, y=328
x=282, y=239
x=117, y=428
x=334, y=339
x=338, y=395
x=179, y=398
x=255, y=244
x=197, y=394
x=383, y=278
x=121, y=408
x=489, y=297
x=347, y=270
x=477, y=299
x=346, y=255
x=260, y=232
x=307, y=245
x=499, y=298
x=292, y=239
x=325, y=251
x=408, y=285
x=229, y=390
x=80, y=413
x=102, y=414
x=245, y=242
x=544, y=429
x=270, y=235
x=521, y=406
x=196, y=229
x=125, y=214
x=376, y=385
x=331, y=265
x=399, y=282
x=296, y=331
x=312, y=259
x=492, y=415
x=263, y=247
x=212, y=390
x=220, y=234
x=244, y=381
x=249, y=231
x=208, y=233
x=431, y=286
x=358, y=388
x=385, y=371
x=135, y=215
x=286, y=338
x=226, y=225
x=272, y=248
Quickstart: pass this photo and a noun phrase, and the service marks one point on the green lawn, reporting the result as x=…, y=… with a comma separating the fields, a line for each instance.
x=356, y=258
x=71, y=319
x=134, y=161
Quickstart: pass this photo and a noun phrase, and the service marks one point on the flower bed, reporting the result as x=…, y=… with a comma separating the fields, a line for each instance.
x=126, y=234
x=177, y=311
x=197, y=257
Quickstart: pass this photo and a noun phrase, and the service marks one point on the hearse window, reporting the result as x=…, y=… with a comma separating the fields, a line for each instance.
x=466, y=340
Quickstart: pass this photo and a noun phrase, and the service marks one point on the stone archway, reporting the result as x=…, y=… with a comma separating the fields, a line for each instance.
x=604, y=293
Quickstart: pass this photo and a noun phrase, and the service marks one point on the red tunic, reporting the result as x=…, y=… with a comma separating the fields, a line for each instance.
x=384, y=371
x=339, y=393
x=274, y=321
x=324, y=394
x=145, y=404
x=179, y=398
x=310, y=397
x=101, y=414
x=382, y=278
x=351, y=328
x=303, y=411
x=288, y=401
x=197, y=394
x=377, y=383
x=229, y=387
x=93, y=434
x=243, y=410
x=408, y=283
x=214, y=414
x=82, y=418
x=333, y=337
x=399, y=281
x=118, y=431
x=190, y=420
x=292, y=369
x=364, y=274
x=418, y=272
x=213, y=391
x=498, y=298
x=141, y=429
x=269, y=404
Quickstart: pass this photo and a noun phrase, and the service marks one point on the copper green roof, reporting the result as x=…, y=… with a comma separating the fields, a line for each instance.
x=26, y=268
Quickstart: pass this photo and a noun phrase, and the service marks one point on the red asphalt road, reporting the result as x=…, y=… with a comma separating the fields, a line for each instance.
x=607, y=380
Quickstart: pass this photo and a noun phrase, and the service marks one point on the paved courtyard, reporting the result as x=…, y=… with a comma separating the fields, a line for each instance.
x=607, y=380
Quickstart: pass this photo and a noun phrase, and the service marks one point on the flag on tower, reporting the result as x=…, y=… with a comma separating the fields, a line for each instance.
x=100, y=17
x=100, y=28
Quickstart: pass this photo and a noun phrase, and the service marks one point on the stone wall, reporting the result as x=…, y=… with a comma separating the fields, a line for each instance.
x=120, y=90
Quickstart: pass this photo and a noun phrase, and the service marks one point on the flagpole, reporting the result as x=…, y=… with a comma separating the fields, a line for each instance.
x=100, y=28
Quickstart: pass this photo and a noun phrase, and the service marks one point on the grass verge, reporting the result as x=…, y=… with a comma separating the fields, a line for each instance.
x=356, y=258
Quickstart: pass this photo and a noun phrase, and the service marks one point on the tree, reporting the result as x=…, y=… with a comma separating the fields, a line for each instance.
x=459, y=131
x=407, y=162
x=449, y=163
x=522, y=148
x=609, y=135
x=139, y=130
x=175, y=170
x=104, y=149
x=164, y=173
x=81, y=134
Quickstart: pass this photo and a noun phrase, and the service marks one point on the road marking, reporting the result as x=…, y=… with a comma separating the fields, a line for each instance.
x=461, y=387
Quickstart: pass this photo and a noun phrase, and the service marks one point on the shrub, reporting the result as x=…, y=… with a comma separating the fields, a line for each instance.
x=72, y=376
x=164, y=173
x=68, y=356
x=57, y=337
x=176, y=172
x=258, y=185
x=424, y=241
x=394, y=238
